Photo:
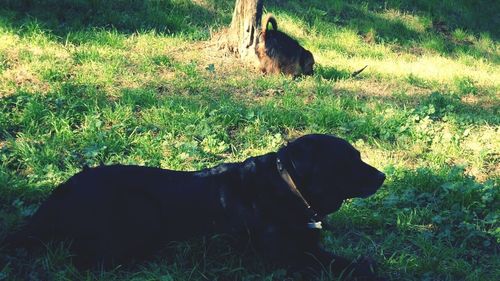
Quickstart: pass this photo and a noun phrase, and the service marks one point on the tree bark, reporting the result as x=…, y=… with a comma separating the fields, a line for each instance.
x=241, y=36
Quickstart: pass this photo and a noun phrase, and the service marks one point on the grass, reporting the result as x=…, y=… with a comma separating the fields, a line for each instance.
x=90, y=82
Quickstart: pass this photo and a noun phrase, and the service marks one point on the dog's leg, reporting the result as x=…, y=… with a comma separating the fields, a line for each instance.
x=302, y=251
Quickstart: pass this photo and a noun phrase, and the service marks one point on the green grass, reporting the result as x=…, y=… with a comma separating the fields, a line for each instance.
x=90, y=82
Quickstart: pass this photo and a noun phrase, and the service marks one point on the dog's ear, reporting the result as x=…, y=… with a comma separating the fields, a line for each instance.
x=306, y=62
x=301, y=155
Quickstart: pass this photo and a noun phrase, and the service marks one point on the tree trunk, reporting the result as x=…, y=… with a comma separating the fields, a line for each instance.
x=241, y=36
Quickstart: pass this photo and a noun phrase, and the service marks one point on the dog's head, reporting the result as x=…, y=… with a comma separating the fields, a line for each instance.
x=328, y=170
x=307, y=62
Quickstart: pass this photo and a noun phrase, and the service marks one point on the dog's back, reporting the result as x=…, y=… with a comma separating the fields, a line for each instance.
x=143, y=206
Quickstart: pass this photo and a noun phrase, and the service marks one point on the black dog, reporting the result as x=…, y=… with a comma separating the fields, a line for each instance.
x=115, y=213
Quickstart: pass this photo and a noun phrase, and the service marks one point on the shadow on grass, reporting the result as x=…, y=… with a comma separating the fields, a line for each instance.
x=332, y=73
x=126, y=16
x=436, y=23
x=435, y=210
x=476, y=16
x=194, y=20
x=363, y=21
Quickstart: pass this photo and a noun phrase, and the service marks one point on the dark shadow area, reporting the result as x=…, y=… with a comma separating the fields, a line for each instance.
x=445, y=200
x=363, y=21
x=126, y=16
x=474, y=16
x=331, y=73
x=366, y=19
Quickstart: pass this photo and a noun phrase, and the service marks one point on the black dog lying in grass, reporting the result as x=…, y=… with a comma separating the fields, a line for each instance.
x=116, y=213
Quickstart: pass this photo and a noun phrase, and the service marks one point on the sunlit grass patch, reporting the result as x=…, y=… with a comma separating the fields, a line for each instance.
x=434, y=68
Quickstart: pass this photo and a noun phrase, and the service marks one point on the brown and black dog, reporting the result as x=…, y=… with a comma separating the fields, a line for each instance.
x=279, y=53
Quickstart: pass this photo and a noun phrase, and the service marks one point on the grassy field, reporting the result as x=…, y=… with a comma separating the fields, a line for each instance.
x=84, y=82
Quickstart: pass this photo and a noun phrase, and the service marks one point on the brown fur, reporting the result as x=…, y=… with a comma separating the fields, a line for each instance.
x=279, y=53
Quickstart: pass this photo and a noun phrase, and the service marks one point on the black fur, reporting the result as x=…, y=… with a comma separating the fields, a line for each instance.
x=116, y=213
